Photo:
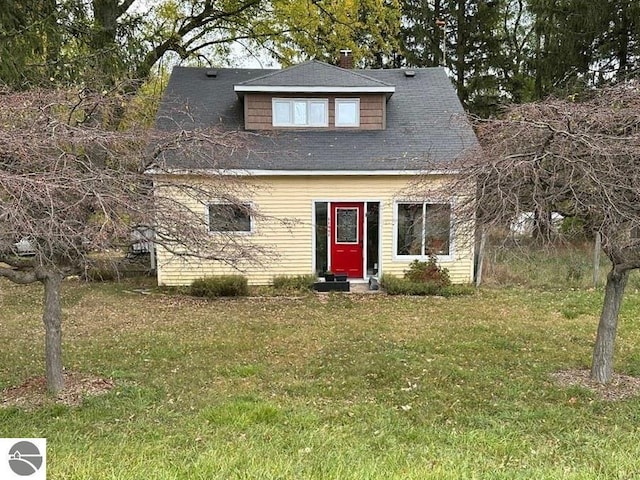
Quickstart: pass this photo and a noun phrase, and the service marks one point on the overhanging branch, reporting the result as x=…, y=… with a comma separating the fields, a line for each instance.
x=19, y=276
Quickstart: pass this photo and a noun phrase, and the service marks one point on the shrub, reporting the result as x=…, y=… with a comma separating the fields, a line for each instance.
x=572, y=227
x=102, y=274
x=293, y=282
x=220, y=286
x=576, y=270
x=459, y=289
x=428, y=272
x=402, y=286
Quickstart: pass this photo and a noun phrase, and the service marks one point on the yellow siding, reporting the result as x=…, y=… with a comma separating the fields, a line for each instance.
x=290, y=199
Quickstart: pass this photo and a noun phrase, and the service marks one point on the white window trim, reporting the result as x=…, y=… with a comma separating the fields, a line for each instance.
x=228, y=232
x=347, y=100
x=291, y=102
x=409, y=258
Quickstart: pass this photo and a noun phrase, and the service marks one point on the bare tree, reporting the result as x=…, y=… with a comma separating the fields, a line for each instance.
x=579, y=157
x=70, y=188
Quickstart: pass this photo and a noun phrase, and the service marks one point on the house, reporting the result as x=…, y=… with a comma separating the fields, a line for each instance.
x=335, y=152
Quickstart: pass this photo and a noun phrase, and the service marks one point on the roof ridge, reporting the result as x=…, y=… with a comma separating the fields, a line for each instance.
x=400, y=69
x=271, y=74
x=353, y=71
x=319, y=62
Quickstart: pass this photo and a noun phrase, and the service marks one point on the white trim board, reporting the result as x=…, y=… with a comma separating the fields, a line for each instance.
x=313, y=89
x=300, y=173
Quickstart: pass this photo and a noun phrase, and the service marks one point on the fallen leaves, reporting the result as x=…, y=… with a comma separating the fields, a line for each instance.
x=620, y=387
x=33, y=392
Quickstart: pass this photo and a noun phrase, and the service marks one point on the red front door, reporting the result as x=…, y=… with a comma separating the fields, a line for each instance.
x=347, y=221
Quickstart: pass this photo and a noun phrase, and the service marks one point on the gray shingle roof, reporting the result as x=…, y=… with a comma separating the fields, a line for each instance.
x=312, y=74
x=425, y=123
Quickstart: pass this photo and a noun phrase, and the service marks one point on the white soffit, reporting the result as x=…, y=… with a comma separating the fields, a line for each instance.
x=301, y=173
x=313, y=89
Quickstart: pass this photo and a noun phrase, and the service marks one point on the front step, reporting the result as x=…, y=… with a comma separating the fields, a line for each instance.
x=335, y=286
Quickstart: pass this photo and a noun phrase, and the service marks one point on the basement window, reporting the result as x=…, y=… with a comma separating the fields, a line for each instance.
x=300, y=112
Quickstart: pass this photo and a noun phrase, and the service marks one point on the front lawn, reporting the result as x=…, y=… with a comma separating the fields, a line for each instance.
x=325, y=387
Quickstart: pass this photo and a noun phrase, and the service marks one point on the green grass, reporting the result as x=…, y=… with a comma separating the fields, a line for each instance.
x=325, y=387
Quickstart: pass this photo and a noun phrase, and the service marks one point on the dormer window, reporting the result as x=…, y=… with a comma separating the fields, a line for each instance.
x=347, y=112
x=300, y=112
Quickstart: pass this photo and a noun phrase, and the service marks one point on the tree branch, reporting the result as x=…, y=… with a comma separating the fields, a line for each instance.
x=21, y=277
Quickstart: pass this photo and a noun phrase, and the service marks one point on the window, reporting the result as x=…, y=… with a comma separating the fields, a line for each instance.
x=300, y=112
x=347, y=112
x=322, y=257
x=226, y=217
x=423, y=229
x=373, y=237
x=346, y=225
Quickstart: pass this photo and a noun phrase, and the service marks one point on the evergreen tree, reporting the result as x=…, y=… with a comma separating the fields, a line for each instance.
x=618, y=47
x=422, y=31
x=472, y=44
x=30, y=38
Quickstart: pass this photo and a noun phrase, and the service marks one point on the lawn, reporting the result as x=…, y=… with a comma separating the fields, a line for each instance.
x=325, y=387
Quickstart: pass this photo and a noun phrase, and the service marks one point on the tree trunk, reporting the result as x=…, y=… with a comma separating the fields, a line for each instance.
x=596, y=259
x=481, y=251
x=461, y=47
x=623, y=41
x=52, y=319
x=440, y=46
x=542, y=230
x=602, y=365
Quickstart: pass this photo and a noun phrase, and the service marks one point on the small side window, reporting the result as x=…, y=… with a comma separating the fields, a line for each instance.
x=347, y=112
x=226, y=217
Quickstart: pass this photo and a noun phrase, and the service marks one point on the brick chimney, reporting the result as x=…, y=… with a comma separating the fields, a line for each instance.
x=346, y=59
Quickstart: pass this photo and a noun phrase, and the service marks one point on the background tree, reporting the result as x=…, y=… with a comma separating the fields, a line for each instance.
x=108, y=41
x=29, y=40
x=618, y=46
x=579, y=157
x=497, y=51
x=566, y=34
x=69, y=187
x=501, y=51
x=421, y=33
x=562, y=47
x=321, y=28
x=515, y=69
x=472, y=44
x=476, y=52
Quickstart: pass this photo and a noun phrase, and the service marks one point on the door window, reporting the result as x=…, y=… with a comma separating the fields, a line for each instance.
x=346, y=225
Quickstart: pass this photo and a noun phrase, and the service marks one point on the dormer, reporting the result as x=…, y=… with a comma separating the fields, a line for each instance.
x=314, y=95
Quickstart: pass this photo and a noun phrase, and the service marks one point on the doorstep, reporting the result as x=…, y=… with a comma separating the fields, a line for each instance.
x=334, y=286
x=358, y=285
